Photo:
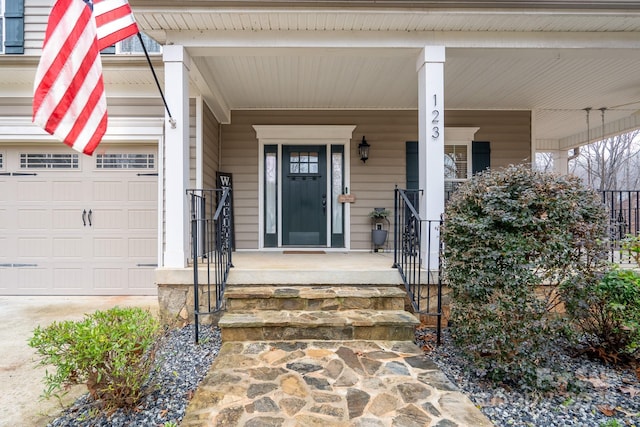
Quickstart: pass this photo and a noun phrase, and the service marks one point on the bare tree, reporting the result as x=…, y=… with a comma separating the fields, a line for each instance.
x=610, y=164
x=544, y=162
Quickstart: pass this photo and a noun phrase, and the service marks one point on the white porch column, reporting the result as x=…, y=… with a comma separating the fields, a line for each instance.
x=561, y=161
x=430, y=67
x=176, y=152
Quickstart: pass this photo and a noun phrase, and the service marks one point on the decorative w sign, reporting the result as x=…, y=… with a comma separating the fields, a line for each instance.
x=69, y=100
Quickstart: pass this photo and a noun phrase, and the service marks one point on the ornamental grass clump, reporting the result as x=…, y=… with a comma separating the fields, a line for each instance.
x=511, y=237
x=110, y=351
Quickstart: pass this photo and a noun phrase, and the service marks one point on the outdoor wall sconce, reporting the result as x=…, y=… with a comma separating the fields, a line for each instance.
x=363, y=150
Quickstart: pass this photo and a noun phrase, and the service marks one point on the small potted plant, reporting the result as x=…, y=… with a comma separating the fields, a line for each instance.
x=378, y=231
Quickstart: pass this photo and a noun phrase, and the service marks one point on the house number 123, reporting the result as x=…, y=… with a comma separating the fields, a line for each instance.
x=435, y=130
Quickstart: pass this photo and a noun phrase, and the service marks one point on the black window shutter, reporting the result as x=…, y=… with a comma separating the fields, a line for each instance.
x=480, y=156
x=14, y=27
x=412, y=165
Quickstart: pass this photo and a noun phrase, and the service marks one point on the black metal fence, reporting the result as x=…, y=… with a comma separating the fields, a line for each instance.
x=624, y=220
x=423, y=286
x=211, y=246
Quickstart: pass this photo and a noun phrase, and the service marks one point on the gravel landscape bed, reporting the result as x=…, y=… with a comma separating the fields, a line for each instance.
x=604, y=395
x=181, y=366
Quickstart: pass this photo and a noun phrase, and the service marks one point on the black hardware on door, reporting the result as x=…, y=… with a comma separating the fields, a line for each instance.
x=90, y=213
x=324, y=204
x=84, y=217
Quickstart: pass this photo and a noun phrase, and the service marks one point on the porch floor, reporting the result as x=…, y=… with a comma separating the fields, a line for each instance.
x=292, y=267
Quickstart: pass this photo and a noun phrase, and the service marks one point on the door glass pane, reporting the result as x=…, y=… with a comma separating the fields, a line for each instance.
x=294, y=168
x=304, y=167
x=270, y=189
x=336, y=190
x=313, y=168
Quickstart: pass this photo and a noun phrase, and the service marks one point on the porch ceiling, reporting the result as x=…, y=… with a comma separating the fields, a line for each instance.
x=554, y=60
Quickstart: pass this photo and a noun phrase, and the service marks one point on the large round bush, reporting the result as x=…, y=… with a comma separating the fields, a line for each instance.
x=511, y=237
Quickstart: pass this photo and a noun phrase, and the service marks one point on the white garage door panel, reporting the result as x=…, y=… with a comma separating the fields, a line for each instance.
x=69, y=278
x=108, y=219
x=34, y=219
x=67, y=191
x=109, y=191
x=142, y=192
x=33, y=190
x=32, y=248
x=33, y=279
x=68, y=248
x=47, y=249
x=66, y=219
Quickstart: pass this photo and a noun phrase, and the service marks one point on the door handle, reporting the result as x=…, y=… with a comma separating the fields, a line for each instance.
x=90, y=213
x=84, y=217
x=324, y=204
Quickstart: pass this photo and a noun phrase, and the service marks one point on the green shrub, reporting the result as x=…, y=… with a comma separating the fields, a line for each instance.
x=511, y=237
x=607, y=312
x=109, y=351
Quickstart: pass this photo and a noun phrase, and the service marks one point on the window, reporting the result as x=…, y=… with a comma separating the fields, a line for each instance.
x=303, y=162
x=49, y=161
x=125, y=161
x=132, y=45
x=457, y=165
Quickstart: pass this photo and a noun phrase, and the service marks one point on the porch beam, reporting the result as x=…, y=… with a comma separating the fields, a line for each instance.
x=596, y=133
x=430, y=67
x=176, y=151
x=203, y=43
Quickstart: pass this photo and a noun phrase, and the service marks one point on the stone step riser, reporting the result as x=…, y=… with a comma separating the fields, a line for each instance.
x=342, y=333
x=325, y=304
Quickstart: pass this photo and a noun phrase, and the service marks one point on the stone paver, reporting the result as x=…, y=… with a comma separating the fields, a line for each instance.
x=328, y=383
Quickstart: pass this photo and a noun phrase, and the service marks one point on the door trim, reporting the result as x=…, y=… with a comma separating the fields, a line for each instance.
x=325, y=135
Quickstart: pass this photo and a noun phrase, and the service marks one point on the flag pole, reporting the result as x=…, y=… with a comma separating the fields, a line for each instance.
x=155, y=77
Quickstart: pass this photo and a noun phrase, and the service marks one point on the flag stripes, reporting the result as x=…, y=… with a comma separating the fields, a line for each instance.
x=69, y=100
x=114, y=21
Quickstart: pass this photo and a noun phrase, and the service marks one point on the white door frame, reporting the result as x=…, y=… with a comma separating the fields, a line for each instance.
x=324, y=135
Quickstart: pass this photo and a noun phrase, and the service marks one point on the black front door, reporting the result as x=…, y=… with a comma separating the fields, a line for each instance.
x=304, y=195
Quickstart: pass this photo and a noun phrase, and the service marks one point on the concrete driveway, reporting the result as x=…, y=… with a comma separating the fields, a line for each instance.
x=20, y=376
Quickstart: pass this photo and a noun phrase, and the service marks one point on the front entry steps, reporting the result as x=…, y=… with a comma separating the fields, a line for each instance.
x=260, y=313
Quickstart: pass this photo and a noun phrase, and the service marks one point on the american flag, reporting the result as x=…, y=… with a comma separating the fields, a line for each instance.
x=69, y=100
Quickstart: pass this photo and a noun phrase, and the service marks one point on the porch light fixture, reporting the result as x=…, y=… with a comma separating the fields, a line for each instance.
x=363, y=150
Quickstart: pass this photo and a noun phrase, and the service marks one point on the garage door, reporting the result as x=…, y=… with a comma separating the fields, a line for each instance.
x=77, y=225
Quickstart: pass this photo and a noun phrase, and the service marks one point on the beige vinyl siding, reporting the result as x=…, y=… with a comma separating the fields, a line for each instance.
x=372, y=183
x=36, y=13
x=210, y=147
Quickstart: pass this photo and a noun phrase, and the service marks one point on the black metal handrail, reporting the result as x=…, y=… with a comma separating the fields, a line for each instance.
x=211, y=246
x=624, y=219
x=425, y=293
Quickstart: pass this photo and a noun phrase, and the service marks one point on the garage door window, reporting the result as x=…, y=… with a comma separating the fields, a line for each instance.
x=48, y=161
x=125, y=161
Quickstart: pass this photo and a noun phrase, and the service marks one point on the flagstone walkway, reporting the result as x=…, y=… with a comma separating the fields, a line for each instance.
x=328, y=383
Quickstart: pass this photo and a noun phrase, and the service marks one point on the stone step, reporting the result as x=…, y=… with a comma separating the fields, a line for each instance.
x=261, y=325
x=314, y=298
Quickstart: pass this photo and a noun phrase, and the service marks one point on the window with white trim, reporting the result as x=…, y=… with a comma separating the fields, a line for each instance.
x=457, y=165
x=132, y=46
x=49, y=161
x=126, y=161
